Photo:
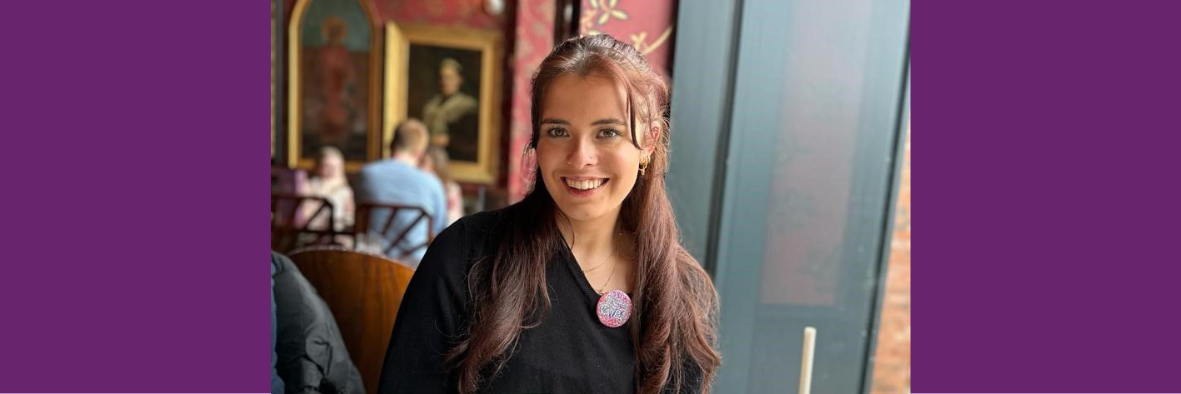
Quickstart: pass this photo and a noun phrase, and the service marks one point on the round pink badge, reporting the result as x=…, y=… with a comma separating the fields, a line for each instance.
x=614, y=308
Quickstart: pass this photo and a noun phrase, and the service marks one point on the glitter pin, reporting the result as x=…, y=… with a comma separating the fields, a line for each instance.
x=614, y=308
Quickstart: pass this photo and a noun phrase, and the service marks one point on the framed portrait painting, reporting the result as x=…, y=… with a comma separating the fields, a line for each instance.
x=449, y=79
x=333, y=71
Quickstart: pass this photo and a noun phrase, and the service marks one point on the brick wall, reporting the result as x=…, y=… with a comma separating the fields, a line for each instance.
x=891, y=372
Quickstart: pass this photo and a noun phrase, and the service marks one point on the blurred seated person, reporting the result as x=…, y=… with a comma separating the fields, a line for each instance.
x=329, y=182
x=398, y=180
x=436, y=162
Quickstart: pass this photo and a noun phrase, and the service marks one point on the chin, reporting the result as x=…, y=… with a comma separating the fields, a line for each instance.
x=583, y=213
x=579, y=209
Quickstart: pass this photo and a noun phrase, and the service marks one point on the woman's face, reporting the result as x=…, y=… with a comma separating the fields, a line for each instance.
x=585, y=152
x=330, y=166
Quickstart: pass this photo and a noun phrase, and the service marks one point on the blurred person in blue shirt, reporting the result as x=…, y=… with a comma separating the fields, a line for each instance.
x=398, y=180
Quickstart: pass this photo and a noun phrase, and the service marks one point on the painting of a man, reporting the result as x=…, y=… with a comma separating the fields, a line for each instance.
x=444, y=86
x=451, y=110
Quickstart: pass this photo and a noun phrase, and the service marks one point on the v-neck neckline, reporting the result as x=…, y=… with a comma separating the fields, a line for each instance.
x=575, y=270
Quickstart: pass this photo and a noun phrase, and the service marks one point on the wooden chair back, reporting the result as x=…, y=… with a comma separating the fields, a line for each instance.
x=363, y=291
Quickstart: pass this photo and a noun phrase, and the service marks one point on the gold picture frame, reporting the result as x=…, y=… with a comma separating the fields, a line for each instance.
x=417, y=57
x=340, y=41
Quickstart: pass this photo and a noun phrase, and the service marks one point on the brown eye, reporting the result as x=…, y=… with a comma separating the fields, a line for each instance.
x=557, y=132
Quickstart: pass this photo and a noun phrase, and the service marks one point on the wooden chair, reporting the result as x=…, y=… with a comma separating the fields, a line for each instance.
x=289, y=231
x=364, y=292
x=386, y=224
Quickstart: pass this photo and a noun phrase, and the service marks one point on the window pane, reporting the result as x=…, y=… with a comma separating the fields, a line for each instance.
x=817, y=100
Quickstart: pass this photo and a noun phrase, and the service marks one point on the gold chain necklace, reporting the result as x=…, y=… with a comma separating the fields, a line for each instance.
x=609, y=276
x=600, y=264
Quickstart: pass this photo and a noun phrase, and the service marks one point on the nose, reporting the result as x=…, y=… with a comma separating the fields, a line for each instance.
x=582, y=154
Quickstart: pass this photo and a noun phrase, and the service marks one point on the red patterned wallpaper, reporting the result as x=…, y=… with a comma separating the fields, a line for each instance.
x=646, y=24
x=534, y=39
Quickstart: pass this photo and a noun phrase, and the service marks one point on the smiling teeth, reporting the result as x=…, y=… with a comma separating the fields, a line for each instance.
x=584, y=185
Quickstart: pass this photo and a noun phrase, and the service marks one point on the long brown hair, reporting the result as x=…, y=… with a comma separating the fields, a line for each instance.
x=674, y=319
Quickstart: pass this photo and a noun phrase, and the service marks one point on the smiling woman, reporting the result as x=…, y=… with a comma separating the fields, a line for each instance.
x=583, y=286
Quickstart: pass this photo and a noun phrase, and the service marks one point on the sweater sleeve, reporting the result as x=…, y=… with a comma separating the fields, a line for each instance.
x=430, y=319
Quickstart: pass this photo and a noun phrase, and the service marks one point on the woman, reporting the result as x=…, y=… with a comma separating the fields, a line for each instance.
x=330, y=182
x=435, y=161
x=538, y=297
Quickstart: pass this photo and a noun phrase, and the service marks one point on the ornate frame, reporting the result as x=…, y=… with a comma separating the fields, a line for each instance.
x=398, y=39
x=294, y=86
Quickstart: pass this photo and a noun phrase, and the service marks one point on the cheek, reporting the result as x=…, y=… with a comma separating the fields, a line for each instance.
x=626, y=171
x=549, y=157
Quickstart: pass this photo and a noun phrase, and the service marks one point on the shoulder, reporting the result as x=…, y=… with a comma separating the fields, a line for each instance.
x=454, y=250
x=374, y=168
x=400, y=171
x=472, y=234
x=480, y=229
x=367, y=178
x=465, y=103
x=279, y=263
x=424, y=180
x=430, y=179
x=474, y=231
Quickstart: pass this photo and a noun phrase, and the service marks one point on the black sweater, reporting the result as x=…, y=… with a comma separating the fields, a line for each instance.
x=570, y=352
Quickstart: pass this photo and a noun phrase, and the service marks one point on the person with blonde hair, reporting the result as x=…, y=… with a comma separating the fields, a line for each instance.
x=329, y=182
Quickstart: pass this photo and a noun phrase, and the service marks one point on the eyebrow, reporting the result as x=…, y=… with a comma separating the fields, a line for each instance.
x=608, y=121
x=600, y=122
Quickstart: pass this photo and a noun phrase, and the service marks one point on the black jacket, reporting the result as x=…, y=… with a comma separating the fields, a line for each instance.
x=312, y=357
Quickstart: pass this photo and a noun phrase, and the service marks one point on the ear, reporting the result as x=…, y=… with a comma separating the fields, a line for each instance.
x=648, y=141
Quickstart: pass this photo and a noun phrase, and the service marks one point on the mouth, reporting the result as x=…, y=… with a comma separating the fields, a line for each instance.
x=584, y=186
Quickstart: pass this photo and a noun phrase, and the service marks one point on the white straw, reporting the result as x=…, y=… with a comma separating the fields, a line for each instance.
x=806, y=361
